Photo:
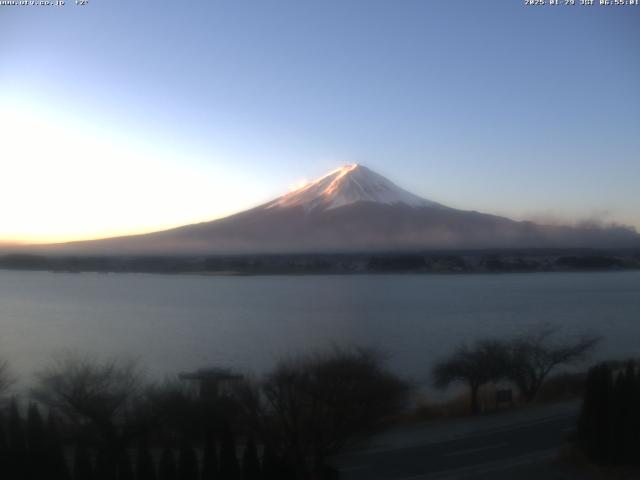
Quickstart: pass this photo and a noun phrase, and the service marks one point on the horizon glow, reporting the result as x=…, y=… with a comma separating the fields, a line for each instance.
x=120, y=118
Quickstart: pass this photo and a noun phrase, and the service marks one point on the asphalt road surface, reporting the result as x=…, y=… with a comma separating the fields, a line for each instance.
x=519, y=450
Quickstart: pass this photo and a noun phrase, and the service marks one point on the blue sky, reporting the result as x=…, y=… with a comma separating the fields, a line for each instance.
x=123, y=116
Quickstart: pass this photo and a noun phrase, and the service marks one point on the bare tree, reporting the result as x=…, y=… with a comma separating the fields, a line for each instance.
x=475, y=365
x=6, y=378
x=85, y=389
x=533, y=356
x=95, y=395
x=312, y=406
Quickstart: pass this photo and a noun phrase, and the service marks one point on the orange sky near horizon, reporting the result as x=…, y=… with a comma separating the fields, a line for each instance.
x=63, y=185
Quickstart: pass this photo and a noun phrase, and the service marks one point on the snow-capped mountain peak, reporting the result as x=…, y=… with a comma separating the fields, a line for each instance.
x=353, y=209
x=346, y=185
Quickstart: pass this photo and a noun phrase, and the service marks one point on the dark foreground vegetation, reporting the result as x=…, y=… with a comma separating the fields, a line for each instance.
x=89, y=419
x=609, y=425
x=495, y=261
x=104, y=422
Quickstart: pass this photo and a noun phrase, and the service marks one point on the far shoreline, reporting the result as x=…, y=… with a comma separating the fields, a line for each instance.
x=426, y=262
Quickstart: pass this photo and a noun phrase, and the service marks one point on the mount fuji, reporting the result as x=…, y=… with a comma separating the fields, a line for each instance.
x=347, y=185
x=353, y=209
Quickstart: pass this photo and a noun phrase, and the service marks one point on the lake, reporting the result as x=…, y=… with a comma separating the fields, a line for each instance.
x=173, y=323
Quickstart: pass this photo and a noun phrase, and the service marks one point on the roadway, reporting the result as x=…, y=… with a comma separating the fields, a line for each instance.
x=511, y=445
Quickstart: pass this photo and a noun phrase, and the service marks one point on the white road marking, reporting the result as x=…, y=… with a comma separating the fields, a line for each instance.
x=375, y=450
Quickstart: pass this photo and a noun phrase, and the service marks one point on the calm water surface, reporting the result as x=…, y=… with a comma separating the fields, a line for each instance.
x=175, y=323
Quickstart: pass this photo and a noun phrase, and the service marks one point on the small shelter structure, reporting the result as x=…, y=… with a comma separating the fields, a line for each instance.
x=212, y=383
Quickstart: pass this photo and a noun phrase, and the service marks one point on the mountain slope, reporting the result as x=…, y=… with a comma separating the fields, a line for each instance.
x=354, y=209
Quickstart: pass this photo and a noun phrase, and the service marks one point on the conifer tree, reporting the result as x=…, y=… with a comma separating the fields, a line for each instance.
x=167, y=469
x=106, y=464
x=209, y=458
x=125, y=471
x=619, y=420
x=4, y=450
x=287, y=469
x=82, y=464
x=36, y=444
x=56, y=461
x=187, y=461
x=594, y=424
x=250, y=462
x=17, y=464
x=145, y=469
x=229, y=468
x=270, y=464
x=634, y=448
x=631, y=428
x=603, y=415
